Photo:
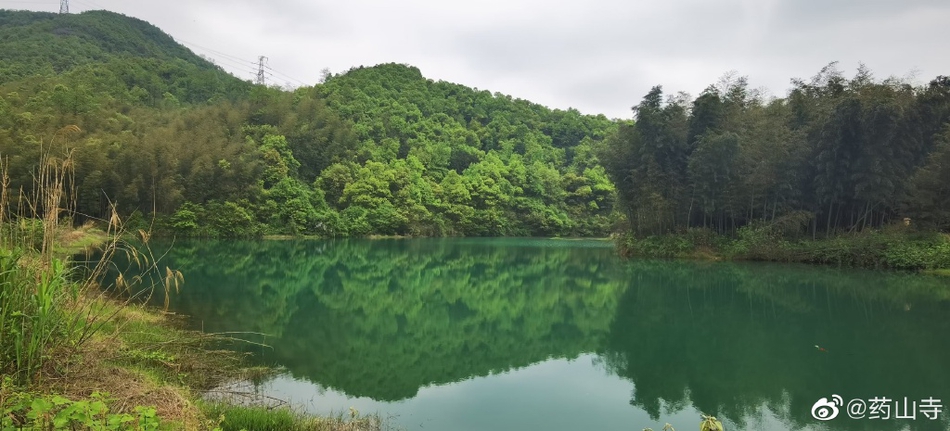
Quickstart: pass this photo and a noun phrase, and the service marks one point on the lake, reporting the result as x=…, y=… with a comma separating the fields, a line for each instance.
x=547, y=334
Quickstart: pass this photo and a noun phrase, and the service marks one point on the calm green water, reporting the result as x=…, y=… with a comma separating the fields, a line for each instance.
x=497, y=334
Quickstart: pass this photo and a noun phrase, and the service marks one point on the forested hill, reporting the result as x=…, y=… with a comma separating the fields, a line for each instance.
x=483, y=163
x=43, y=43
x=375, y=150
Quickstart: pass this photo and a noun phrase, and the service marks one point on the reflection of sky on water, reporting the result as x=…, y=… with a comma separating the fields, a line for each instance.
x=557, y=394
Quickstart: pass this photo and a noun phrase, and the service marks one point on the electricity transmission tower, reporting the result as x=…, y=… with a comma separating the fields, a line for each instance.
x=261, y=79
x=63, y=6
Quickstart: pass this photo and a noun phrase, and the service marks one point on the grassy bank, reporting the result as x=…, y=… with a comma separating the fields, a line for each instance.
x=940, y=272
x=78, y=359
x=141, y=371
x=895, y=247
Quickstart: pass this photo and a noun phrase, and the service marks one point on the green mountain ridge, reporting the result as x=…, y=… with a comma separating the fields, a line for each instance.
x=34, y=43
x=376, y=150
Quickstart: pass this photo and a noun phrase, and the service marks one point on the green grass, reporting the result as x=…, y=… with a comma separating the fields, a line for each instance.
x=34, y=322
x=238, y=418
x=80, y=240
x=259, y=418
x=154, y=344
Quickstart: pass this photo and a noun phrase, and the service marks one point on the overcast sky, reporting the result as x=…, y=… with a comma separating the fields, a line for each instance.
x=599, y=56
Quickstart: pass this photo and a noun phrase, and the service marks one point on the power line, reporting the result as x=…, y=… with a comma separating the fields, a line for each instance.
x=285, y=76
x=222, y=56
x=238, y=69
x=91, y=4
x=216, y=57
x=273, y=77
x=63, y=6
x=236, y=58
x=245, y=67
x=278, y=78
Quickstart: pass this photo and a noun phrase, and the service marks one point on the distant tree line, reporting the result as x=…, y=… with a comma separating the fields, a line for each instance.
x=835, y=155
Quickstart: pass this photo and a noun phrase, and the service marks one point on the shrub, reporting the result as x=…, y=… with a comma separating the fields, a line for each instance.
x=54, y=412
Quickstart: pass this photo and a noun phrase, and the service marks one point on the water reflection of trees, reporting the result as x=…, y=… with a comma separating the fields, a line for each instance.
x=384, y=318
x=730, y=339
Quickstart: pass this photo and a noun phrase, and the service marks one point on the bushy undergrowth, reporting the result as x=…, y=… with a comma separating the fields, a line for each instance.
x=877, y=249
x=24, y=410
x=890, y=248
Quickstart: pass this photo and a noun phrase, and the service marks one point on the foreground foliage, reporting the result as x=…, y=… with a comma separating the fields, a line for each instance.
x=53, y=412
x=33, y=322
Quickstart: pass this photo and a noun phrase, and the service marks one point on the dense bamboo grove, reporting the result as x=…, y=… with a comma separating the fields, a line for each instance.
x=836, y=155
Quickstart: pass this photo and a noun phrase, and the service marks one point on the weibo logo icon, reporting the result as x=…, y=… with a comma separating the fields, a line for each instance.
x=825, y=410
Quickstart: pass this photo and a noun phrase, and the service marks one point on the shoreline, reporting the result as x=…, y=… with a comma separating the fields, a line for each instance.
x=143, y=360
x=888, y=249
x=125, y=365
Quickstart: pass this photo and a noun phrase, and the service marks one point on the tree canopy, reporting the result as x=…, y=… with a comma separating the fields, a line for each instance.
x=383, y=150
x=835, y=155
x=375, y=150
